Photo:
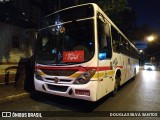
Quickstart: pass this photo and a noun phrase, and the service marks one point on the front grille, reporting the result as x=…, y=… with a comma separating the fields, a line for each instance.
x=60, y=80
x=58, y=88
x=59, y=72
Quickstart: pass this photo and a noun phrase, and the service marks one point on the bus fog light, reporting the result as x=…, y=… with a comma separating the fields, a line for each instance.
x=43, y=87
x=84, y=77
x=70, y=92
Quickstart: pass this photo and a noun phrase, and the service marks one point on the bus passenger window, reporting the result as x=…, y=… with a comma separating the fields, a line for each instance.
x=104, y=40
x=115, y=40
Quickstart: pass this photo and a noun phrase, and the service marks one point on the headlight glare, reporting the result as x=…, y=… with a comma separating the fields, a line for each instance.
x=153, y=67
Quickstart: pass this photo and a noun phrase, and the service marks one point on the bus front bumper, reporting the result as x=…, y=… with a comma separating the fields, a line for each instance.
x=85, y=91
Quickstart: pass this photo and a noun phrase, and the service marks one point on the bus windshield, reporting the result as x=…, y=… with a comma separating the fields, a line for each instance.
x=71, y=14
x=68, y=43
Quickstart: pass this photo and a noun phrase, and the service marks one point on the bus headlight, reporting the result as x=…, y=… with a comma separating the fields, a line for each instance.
x=37, y=75
x=84, y=77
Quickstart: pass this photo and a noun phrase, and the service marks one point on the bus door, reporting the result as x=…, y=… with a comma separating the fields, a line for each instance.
x=105, y=54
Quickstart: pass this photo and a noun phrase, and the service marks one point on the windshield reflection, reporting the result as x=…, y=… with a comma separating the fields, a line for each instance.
x=66, y=43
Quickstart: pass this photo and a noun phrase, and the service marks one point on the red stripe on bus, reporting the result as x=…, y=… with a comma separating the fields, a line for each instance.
x=119, y=67
x=78, y=68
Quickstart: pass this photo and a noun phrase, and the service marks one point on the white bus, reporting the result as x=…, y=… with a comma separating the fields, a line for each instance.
x=80, y=53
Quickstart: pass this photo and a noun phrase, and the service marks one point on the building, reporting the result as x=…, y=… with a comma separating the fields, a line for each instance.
x=19, y=20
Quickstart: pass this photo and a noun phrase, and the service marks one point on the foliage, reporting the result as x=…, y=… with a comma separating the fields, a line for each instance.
x=113, y=6
x=122, y=15
x=144, y=31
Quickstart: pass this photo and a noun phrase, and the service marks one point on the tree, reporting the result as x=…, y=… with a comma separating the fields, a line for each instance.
x=118, y=10
x=113, y=6
x=122, y=15
x=144, y=31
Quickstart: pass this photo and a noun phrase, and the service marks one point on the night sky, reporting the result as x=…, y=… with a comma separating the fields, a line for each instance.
x=147, y=11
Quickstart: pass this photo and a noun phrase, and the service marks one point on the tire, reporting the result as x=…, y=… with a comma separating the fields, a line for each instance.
x=116, y=86
x=135, y=75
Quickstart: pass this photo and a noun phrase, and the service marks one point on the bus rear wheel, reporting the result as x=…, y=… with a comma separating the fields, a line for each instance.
x=135, y=75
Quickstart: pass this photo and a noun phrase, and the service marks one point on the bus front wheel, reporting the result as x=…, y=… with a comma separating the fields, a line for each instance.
x=116, y=86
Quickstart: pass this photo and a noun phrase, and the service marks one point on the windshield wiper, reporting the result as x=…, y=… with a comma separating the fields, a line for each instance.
x=54, y=25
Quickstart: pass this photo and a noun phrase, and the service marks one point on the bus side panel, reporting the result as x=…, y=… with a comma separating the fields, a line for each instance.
x=105, y=79
x=130, y=66
x=125, y=69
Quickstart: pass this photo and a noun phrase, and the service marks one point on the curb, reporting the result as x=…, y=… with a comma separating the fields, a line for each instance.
x=14, y=98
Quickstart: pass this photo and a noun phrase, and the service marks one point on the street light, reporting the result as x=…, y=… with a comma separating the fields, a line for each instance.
x=151, y=49
x=150, y=38
x=140, y=51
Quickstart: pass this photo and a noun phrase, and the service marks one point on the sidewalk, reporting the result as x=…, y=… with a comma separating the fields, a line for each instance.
x=8, y=93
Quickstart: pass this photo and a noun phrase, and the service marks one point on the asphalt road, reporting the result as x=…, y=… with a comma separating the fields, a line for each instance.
x=142, y=94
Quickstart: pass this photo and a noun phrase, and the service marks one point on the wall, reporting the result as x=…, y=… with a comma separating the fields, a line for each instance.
x=15, y=42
